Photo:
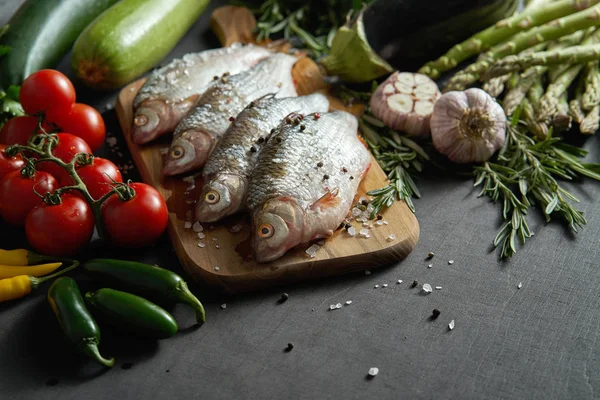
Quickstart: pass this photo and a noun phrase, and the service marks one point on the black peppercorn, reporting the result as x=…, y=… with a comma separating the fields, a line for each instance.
x=436, y=313
x=414, y=284
x=319, y=164
x=253, y=149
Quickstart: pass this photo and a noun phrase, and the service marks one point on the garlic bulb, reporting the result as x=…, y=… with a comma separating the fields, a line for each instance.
x=404, y=102
x=468, y=126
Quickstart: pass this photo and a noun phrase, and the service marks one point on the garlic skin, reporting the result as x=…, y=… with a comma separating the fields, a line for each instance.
x=404, y=102
x=468, y=126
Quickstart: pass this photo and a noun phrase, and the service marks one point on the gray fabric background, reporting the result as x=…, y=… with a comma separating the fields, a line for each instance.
x=539, y=342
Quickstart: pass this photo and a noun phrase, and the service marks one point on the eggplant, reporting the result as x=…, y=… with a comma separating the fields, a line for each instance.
x=405, y=34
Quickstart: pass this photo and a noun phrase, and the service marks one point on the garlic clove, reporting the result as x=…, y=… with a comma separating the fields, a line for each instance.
x=404, y=102
x=468, y=126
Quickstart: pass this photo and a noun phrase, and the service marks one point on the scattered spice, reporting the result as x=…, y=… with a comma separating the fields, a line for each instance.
x=284, y=297
x=302, y=127
x=319, y=164
x=391, y=238
x=317, y=116
x=262, y=139
x=414, y=284
x=379, y=217
x=351, y=177
x=325, y=177
x=430, y=255
x=253, y=149
x=364, y=202
x=344, y=169
x=289, y=347
x=348, y=226
x=436, y=313
x=232, y=119
x=201, y=245
x=215, y=78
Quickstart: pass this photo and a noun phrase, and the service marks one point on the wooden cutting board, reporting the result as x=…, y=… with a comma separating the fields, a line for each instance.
x=224, y=261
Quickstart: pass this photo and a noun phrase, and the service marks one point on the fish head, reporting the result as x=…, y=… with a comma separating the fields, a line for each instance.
x=221, y=197
x=151, y=120
x=277, y=227
x=189, y=151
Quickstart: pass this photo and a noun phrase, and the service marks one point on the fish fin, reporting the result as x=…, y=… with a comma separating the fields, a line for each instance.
x=329, y=199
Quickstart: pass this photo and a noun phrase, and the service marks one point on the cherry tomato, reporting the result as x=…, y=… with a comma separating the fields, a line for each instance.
x=60, y=230
x=18, y=194
x=46, y=89
x=98, y=177
x=68, y=146
x=9, y=164
x=137, y=222
x=18, y=130
x=83, y=121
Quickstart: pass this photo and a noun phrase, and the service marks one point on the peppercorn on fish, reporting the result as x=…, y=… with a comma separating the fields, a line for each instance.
x=171, y=91
x=227, y=171
x=305, y=181
x=197, y=134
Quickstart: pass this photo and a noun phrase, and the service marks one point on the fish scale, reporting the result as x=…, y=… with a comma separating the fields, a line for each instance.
x=228, y=169
x=197, y=134
x=290, y=167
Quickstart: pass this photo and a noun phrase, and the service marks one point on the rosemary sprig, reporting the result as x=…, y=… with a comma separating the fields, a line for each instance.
x=399, y=156
x=314, y=22
x=526, y=173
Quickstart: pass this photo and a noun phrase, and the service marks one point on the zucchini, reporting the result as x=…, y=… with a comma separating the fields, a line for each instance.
x=41, y=32
x=130, y=38
x=404, y=34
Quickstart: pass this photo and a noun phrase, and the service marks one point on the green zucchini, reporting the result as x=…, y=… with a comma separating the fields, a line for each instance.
x=130, y=38
x=41, y=32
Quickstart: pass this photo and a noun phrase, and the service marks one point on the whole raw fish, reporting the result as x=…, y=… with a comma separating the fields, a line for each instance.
x=198, y=133
x=171, y=91
x=227, y=171
x=305, y=181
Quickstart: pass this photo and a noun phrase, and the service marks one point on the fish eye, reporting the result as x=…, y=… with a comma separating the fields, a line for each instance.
x=177, y=152
x=265, y=231
x=212, y=197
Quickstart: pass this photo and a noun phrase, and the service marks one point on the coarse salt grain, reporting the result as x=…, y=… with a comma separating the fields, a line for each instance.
x=520, y=285
x=379, y=222
x=197, y=227
x=356, y=212
x=427, y=288
x=223, y=306
x=367, y=272
x=201, y=245
x=163, y=151
x=399, y=281
x=438, y=288
x=373, y=371
x=430, y=265
x=187, y=225
x=352, y=231
x=321, y=242
x=385, y=222
x=363, y=232
x=111, y=141
x=348, y=302
x=376, y=286
x=217, y=246
x=367, y=236
x=215, y=239
x=451, y=325
x=338, y=306
x=201, y=235
x=385, y=285
x=217, y=268
x=451, y=262
x=391, y=238
x=236, y=228
x=312, y=250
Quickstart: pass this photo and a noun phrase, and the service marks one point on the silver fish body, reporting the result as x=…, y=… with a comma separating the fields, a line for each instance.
x=197, y=134
x=227, y=172
x=305, y=181
x=171, y=91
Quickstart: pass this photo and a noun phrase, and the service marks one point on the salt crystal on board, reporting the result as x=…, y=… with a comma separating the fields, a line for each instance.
x=356, y=212
x=163, y=151
x=201, y=245
x=223, y=306
x=312, y=250
x=236, y=228
x=427, y=288
x=430, y=265
x=363, y=232
x=451, y=262
x=385, y=285
x=399, y=281
x=376, y=286
x=197, y=227
x=338, y=306
x=520, y=285
x=348, y=302
x=217, y=268
x=373, y=371
x=352, y=231
x=438, y=288
x=451, y=325
x=379, y=222
x=201, y=235
x=367, y=272
x=385, y=222
x=111, y=141
x=391, y=238
x=187, y=225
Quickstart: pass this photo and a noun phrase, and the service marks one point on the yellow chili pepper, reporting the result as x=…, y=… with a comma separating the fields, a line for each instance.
x=20, y=257
x=9, y=271
x=21, y=285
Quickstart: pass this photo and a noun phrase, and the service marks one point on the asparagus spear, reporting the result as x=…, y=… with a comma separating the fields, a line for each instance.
x=591, y=122
x=591, y=97
x=515, y=96
x=536, y=91
x=575, y=55
x=561, y=120
x=550, y=31
x=574, y=39
x=575, y=110
x=549, y=102
x=538, y=129
x=495, y=86
x=501, y=31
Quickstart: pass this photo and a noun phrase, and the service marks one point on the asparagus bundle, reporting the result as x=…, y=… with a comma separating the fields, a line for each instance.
x=553, y=30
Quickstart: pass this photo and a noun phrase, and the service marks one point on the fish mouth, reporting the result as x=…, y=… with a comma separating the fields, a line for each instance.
x=151, y=120
x=188, y=152
x=220, y=198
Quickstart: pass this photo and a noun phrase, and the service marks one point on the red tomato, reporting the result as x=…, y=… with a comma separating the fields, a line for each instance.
x=137, y=222
x=9, y=164
x=83, y=121
x=46, y=89
x=98, y=177
x=60, y=230
x=68, y=145
x=18, y=130
x=17, y=196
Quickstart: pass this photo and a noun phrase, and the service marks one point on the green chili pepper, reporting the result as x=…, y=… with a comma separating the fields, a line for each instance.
x=132, y=313
x=75, y=319
x=150, y=280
